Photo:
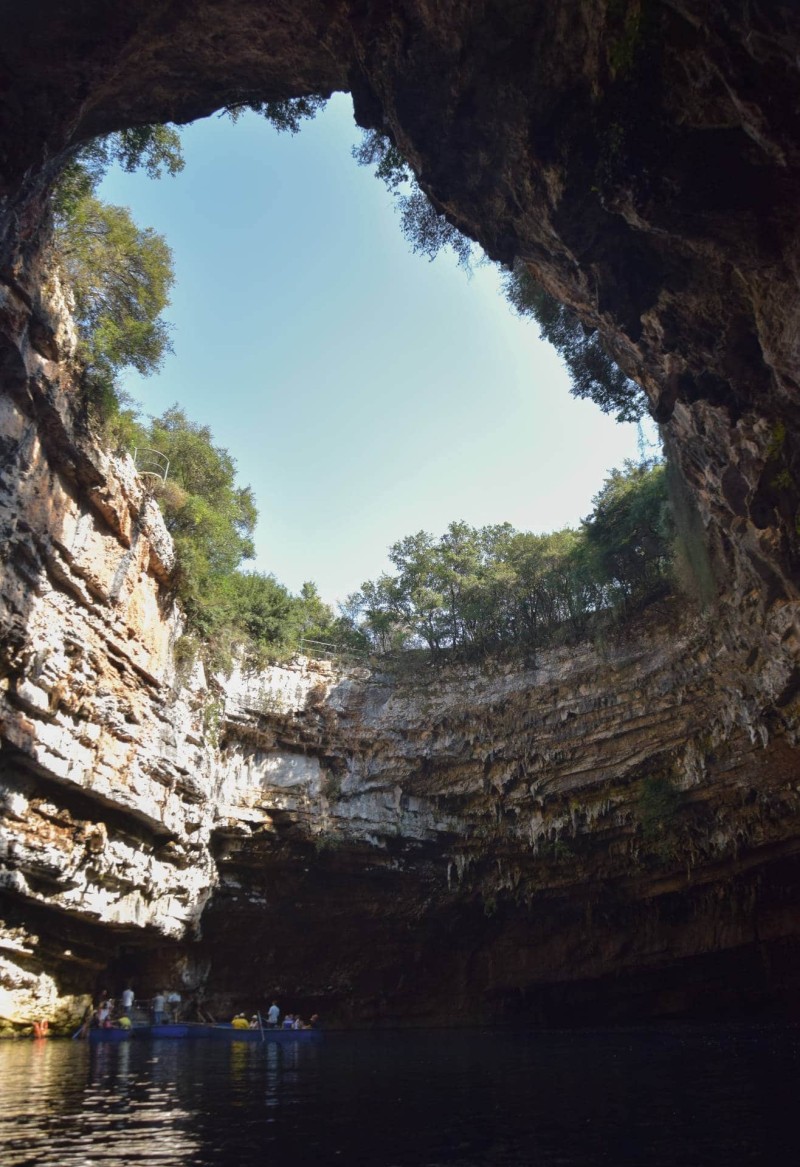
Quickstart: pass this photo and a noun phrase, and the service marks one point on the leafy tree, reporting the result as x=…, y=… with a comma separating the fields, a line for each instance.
x=424, y=227
x=285, y=115
x=629, y=530
x=155, y=148
x=263, y=611
x=593, y=372
x=479, y=591
x=315, y=617
x=121, y=276
x=210, y=518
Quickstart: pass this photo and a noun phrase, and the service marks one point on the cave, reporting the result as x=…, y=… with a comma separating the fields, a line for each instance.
x=472, y=851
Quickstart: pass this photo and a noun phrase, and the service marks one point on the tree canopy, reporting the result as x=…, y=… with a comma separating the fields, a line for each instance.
x=489, y=590
x=424, y=227
x=593, y=372
x=120, y=275
x=212, y=520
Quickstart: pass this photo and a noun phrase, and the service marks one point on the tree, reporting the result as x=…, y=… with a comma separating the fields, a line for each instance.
x=155, y=148
x=121, y=276
x=629, y=530
x=493, y=590
x=424, y=227
x=263, y=610
x=286, y=115
x=210, y=518
x=593, y=372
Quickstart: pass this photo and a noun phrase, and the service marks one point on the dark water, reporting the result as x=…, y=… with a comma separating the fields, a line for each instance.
x=643, y=1098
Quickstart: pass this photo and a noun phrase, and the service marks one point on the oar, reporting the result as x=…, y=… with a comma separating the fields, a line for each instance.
x=260, y=1023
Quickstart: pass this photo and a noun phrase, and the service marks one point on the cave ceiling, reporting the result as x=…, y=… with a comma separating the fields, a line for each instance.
x=641, y=158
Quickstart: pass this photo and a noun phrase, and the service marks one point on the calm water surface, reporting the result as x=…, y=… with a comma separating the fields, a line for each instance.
x=643, y=1098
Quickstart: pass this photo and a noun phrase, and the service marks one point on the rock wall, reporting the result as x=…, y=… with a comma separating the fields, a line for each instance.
x=642, y=159
x=612, y=831
x=615, y=829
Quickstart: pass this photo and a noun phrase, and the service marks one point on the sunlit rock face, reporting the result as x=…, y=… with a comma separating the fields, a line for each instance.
x=642, y=158
x=611, y=832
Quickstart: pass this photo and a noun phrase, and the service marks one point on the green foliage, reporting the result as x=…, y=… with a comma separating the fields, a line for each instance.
x=593, y=372
x=212, y=519
x=157, y=149
x=121, y=276
x=425, y=228
x=286, y=115
x=629, y=531
x=494, y=590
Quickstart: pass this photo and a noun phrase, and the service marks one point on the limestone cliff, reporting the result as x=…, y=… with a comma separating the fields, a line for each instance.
x=612, y=830
x=615, y=826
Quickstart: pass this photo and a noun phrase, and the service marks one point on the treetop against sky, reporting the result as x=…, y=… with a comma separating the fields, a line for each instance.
x=364, y=391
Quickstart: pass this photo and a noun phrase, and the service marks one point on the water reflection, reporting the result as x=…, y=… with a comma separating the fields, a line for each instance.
x=65, y=1103
x=664, y=1098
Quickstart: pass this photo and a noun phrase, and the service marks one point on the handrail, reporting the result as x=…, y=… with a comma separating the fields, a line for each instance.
x=149, y=462
x=326, y=650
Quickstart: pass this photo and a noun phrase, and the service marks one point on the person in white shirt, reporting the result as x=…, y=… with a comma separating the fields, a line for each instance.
x=273, y=1014
x=127, y=1001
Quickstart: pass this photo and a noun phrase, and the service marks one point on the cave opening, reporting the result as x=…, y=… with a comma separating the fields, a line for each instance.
x=708, y=328
x=363, y=391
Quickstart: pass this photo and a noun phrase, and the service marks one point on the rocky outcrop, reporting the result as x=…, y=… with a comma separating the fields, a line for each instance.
x=618, y=824
x=641, y=158
x=610, y=830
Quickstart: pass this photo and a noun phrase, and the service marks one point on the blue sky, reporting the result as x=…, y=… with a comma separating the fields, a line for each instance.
x=365, y=392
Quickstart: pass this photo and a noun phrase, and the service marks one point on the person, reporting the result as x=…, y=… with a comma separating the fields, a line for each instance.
x=254, y=1022
x=313, y=1021
x=124, y=1022
x=298, y=1022
x=159, y=1004
x=104, y=1014
x=273, y=1014
x=240, y=1022
x=174, y=1002
x=288, y=1021
x=127, y=1001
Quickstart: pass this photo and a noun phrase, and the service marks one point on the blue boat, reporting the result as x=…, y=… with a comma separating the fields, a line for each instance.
x=190, y=1030
x=109, y=1035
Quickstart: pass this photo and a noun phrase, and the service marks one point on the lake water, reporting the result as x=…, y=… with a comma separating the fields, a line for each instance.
x=644, y=1098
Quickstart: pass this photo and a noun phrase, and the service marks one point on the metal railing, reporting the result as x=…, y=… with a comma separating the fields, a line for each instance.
x=324, y=650
x=151, y=463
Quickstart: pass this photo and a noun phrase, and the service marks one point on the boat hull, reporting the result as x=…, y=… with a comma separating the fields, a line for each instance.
x=189, y=1031
x=110, y=1035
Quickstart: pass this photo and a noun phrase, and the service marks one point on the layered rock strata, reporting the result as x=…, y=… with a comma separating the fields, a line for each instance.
x=611, y=831
x=615, y=825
